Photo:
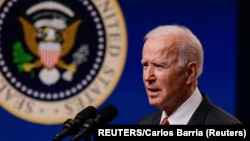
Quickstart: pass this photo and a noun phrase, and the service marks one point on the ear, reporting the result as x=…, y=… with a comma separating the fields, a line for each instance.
x=191, y=72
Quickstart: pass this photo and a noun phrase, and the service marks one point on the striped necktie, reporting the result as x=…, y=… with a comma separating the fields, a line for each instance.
x=165, y=121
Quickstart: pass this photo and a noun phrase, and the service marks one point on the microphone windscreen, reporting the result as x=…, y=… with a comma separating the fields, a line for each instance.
x=87, y=113
x=107, y=114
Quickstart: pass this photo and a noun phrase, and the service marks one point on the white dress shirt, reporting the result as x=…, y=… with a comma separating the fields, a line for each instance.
x=182, y=115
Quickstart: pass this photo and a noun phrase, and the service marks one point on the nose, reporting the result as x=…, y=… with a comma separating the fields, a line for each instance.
x=148, y=73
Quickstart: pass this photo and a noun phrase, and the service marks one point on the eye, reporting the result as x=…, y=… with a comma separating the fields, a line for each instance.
x=144, y=65
x=158, y=66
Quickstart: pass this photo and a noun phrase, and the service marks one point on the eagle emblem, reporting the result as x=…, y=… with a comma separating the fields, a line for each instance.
x=50, y=40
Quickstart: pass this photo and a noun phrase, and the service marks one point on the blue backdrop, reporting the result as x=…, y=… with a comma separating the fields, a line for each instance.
x=213, y=21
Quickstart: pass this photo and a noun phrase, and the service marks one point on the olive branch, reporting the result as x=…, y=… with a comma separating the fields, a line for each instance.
x=20, y=57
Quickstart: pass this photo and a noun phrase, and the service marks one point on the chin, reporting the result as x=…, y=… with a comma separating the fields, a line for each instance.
x=153, y=102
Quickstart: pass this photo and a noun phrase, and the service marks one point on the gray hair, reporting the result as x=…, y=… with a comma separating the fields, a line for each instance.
x=190, y=48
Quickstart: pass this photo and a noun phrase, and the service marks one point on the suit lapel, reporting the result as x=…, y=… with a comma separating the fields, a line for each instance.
x=201, y=112
x=157, y=117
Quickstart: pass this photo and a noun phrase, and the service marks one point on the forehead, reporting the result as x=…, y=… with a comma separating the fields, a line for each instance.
x=159, y=47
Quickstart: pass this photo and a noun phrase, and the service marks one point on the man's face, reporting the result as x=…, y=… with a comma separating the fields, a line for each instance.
x=163, y=79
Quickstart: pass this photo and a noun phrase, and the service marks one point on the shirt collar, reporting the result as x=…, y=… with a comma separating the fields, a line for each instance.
x=182, y=115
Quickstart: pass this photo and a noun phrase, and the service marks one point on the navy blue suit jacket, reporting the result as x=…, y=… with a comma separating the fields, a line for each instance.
x=206, y=114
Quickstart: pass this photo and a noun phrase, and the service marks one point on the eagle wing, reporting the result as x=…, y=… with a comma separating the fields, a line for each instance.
x=69, y=37
x=29, y=35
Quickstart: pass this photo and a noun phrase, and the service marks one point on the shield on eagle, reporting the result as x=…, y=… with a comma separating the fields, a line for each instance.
x=49, y=54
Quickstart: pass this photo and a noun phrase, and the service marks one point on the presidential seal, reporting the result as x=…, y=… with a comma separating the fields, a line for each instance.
x=58, y=57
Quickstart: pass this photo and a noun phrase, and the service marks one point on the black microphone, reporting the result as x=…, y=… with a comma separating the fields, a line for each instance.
x=107, y=114
x=71, y=127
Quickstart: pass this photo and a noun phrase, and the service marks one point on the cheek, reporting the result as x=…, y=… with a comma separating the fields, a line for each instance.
x=170, y=81
x=165, y=79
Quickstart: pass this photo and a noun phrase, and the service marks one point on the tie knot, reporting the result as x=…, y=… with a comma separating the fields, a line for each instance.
x=165, y=121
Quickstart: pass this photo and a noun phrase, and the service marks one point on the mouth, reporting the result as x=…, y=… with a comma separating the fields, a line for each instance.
x=152, y=91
